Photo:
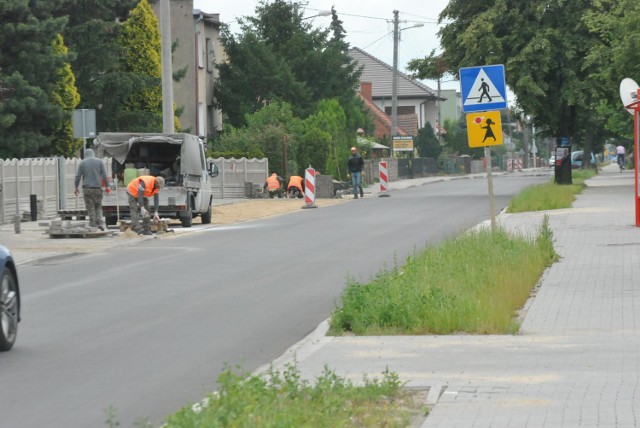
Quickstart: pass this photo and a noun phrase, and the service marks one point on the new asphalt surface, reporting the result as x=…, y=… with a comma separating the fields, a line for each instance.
x=575, y=362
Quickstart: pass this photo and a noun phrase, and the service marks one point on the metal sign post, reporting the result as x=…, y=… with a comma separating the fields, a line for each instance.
x=630, y=95
x=84, y=125
x=484, y=92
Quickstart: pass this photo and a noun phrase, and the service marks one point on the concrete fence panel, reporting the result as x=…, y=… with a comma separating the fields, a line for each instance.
x=51, y=180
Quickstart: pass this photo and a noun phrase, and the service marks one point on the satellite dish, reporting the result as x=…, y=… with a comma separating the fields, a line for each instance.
x=628, y=92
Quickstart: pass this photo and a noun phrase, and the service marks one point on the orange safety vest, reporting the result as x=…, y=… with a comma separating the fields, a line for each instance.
x=273, y=183
x=149, y=182
x=295, y=181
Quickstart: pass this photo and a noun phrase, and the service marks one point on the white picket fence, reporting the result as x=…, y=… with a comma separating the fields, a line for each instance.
x=51, y=181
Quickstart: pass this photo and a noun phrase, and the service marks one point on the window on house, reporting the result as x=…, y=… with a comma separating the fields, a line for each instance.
x=201, y=120
x=401, y=110
x=200, y=49
x=211, y=56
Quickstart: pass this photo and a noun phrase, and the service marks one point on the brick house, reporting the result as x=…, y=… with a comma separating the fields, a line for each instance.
x=416, y=102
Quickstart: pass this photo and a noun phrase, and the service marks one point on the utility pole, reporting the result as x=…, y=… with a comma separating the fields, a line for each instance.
x=394, y=83
x=525, y=136
x=167, y=69
x=439, y=116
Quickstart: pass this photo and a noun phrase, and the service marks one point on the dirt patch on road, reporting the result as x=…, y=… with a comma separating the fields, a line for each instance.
x=253, y=209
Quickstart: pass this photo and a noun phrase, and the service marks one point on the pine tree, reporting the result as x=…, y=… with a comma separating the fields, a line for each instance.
x=140, y=39
x=28, y=75
x=67, y=97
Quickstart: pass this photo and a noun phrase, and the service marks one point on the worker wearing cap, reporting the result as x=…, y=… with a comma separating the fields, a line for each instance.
x=139, y=191
x=356, y=163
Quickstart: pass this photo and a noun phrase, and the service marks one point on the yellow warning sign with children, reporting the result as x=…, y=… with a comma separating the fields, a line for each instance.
x=484, y=129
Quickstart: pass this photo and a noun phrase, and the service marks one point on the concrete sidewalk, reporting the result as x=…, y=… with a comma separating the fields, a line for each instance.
x=576, y=362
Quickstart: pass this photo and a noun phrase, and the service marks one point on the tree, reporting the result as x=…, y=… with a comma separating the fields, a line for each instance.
x=28, y=74
x=67, y=97
x=615, y=56
x=325, y=145
x=103, y=80
x=272, y=131
x=427, y=143
x=280, y=56
x=140, y=39
x=543, y=46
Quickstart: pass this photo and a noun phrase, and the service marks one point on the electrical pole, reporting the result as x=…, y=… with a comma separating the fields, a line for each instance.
x=525, y=136
x=394, y=83
x=167, y=70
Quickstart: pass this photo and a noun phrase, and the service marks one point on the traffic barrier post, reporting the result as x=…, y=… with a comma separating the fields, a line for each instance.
x=310, y=188
x=384, y=179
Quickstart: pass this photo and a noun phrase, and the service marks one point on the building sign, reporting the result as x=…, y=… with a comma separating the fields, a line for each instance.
x=402, y=144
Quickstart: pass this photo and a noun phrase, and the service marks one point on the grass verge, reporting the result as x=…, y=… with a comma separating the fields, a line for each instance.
x=550, y=196
x=283, y=399
x=472, y=283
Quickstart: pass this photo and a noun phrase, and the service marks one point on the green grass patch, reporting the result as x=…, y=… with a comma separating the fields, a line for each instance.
x=550, y=196
x=472, y=283
x=283, y=399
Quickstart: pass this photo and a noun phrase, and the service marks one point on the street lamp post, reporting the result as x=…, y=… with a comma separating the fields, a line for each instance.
x=394, y=83
x=321, y=13
x=167, y=72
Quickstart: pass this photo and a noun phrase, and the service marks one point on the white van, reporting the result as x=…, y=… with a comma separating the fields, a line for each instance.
x=178, y=158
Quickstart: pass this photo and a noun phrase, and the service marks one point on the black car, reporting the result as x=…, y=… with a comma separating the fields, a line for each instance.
x=9, y=300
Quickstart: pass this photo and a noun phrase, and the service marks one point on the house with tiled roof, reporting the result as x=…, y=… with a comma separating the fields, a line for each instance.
x=416, y=102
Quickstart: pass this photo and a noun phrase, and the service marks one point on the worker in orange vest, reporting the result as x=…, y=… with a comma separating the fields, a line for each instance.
x=139, y=190
x=294, y=188
x=273, y=184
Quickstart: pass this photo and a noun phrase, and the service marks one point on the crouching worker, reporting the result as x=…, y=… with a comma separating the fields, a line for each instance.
x=294, y=188
x=139, y=191
x=273, y=185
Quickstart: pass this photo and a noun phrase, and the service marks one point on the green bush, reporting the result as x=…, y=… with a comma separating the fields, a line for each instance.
x=472, y=283
x=286, y=400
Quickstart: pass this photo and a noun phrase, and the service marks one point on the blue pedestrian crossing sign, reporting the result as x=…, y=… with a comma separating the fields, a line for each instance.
x=483, y=88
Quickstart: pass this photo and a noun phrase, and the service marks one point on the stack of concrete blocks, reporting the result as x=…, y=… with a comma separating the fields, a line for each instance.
x=160, y=226
x=254, y=190
x=324, y=186
x=73, y=229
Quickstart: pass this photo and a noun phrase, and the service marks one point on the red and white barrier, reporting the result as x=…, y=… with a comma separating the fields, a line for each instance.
x=384, y=178
x=514, y=164
x=310, y=188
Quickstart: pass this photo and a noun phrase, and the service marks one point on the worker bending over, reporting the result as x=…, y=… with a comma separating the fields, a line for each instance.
x=295, y=187
x=139, y=191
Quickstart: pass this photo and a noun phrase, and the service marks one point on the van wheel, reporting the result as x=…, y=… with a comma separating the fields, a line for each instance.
x=206, y=217
x=111, y=220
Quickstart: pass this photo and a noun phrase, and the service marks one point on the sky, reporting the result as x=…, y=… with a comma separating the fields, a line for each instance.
x=368, y=24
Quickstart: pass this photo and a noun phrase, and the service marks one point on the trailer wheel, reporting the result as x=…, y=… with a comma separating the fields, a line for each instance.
x=187, y=219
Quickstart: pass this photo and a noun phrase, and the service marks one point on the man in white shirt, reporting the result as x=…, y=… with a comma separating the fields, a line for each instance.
x=620, y=152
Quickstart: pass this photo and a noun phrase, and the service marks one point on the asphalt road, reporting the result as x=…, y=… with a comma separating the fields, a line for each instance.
x=146, y=330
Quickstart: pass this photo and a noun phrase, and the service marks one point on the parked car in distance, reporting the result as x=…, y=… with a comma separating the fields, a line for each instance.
x=576, y=159
x=9, y=300
x=552, y=160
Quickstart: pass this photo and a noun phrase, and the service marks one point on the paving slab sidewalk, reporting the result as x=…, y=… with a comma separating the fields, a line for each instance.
x=576, y=362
